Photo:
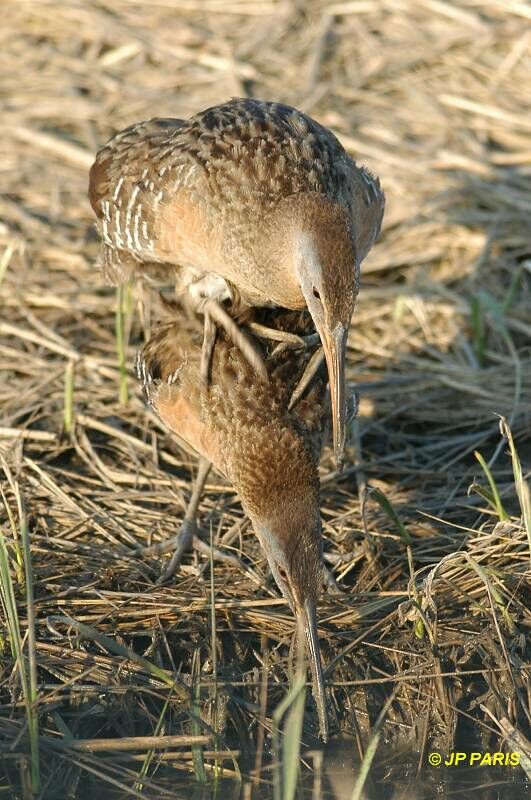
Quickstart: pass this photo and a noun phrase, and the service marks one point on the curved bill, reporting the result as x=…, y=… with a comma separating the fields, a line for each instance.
x=307, y=617
x=335, y=345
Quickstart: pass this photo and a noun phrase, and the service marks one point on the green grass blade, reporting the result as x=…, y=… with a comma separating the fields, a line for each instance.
x=9, y=606
x=498, y=599
x=521, y=485
x=68, y=411
x=32, y=713
x=292, y=742
x=386, y=506
x=512, y=290
x=496, y=502
x=121, y=304
x=213, y=638
x=287, y=748
x=15, y=543
x=197, y=750
x=150, y=753
x=365, y=766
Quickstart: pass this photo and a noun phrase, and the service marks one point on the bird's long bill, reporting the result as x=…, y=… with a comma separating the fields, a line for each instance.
x=335, y=345
x=307, y=617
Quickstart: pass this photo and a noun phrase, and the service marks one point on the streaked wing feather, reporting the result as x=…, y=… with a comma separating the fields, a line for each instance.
x=167, y=370
x=126, y=189
x=367, y=204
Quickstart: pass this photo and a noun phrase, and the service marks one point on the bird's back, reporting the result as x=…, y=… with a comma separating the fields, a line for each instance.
x=194, y=193
x=236, y=415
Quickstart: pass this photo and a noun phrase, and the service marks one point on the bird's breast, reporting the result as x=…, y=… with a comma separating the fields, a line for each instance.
x=184, y=418
x=204, y=239
x=186, y=234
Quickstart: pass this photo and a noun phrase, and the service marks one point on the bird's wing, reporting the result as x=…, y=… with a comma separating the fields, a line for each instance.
x=168, y=369
x=281, y=151
x=135, y=177
x=365, y=200
x=126, y=159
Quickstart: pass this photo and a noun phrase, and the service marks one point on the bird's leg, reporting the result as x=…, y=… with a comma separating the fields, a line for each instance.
x=188, y=527
x=310, y=371
x=209, y=340
x=330, y=582
x=291, y=340
x=217, y=313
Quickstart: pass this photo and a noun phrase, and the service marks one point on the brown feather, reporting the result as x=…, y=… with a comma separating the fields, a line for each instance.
x=207, y=194
x=249, y=201
x=241, y=424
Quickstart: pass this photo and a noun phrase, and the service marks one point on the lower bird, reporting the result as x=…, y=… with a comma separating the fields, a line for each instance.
x=265, y=445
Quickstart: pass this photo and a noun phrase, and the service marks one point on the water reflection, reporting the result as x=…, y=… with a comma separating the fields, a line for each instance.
x=397, y=778
x=332, y=775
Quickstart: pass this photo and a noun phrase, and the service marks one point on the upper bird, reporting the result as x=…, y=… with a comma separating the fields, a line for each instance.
x=249, y=202
x=246, y=430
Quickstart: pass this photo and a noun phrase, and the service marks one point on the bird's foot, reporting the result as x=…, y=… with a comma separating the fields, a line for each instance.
x=209, y=340
x=218, y=315
x=307, y=377
x=285, y=339
x=330, y=582
x=185, y=539
x=188, y=529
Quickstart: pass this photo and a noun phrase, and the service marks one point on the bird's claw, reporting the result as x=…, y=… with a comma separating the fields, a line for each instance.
x=217, y=314
x=184, y=542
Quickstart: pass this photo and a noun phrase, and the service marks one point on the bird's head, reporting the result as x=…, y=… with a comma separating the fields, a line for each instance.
x=327, y=269
x=290, y=535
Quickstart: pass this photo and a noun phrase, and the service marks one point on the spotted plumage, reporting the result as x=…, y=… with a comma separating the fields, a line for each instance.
x=243, y=426
x=255, y=194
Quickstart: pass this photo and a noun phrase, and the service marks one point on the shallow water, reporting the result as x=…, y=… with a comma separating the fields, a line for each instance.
x=393, y=779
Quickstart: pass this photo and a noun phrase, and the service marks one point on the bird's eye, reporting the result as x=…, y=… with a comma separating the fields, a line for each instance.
x=316, y=293
x=282, y=573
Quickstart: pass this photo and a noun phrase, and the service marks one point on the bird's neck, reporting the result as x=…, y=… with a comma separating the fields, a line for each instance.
x=271, y=468
x=310, y=218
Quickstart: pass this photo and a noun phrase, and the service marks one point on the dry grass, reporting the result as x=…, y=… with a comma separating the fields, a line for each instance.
x=434, y=97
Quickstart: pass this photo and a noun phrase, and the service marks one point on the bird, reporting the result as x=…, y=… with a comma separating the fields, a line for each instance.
x=247, y=203
x=245, y=429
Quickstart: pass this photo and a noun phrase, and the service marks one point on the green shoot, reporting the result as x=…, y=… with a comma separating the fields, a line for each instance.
x=68, y=411
x=213, y=638
x=493, y=592
x=288, y=749
x=493, y=498
x=32, y=714
x=197, y=750
x=522, y=487
x=122, y=293
x=150, y=753
x=386, y=506
x=365, y=766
